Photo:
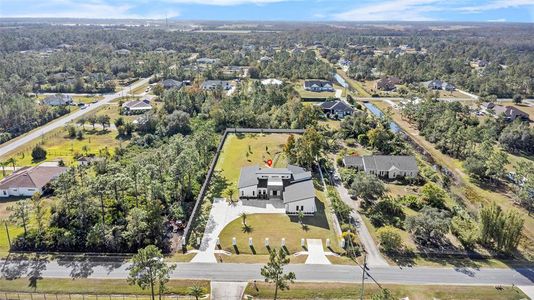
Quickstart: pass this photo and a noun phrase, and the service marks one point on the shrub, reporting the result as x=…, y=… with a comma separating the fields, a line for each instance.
x=390, y=239
x=38, y=153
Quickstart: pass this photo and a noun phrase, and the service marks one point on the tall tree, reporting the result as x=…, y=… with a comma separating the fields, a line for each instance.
x=273, y=271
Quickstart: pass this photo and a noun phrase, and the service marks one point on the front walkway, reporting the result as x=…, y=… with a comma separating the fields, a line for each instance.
x=221, y=214
x=227, y=290
x=316, y=255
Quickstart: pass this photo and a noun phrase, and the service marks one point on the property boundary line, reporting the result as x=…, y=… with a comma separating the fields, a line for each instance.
x=205, y=185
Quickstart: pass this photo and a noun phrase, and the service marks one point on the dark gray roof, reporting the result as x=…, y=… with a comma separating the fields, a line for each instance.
x=336, y=106
x=369, y=163
x=300, y=190
x=248, y=176
x=296, y=169
x=319, y=83
x=301, y=176
x=171, y=83
x=353, y=161
x=387, y=162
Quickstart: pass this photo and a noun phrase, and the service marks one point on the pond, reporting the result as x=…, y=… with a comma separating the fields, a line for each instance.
x=377, y=112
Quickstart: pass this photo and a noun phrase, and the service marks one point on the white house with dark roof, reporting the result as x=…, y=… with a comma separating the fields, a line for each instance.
x=318, y=86
x=28, y=180
x=292, y=185
x=390, y=166
x=137, y=106
x=58, y=100
x=337, y=109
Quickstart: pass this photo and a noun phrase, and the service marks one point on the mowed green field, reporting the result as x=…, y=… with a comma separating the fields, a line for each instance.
x=412, y=292
x=260, y=148
x=94, y=286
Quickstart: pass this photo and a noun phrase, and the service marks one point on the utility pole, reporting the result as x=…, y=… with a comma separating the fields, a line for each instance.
x=363, y=273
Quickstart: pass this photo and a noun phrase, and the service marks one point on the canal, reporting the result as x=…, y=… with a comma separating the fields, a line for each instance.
x=377, y=112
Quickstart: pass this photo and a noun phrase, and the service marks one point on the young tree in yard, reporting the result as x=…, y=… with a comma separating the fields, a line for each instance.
x=196, y=291
x=38, y=212
x=433, y=195
x=273, y=271
x=390, y=239
x=383, y=294
x=92, y=120
x=367, y=186
x=21, y=214
x=244, y=218
x=104, y=120
x=230, y=193
x=149, y=269
x=38, y=153
x=517, y=99
x=430, y=226
x=12, y=161
x=3, y=164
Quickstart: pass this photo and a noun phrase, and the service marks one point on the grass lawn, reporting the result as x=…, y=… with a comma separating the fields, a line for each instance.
x=412, y=292
x=278, y=226
x=93, y=286
x=139, y=90
x=260, y=148
x=257, y=259
x=86, y=99
x=14, y=231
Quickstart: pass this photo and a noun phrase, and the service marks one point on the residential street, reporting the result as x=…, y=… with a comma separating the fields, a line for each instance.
x=246, y=272
x=60, y=122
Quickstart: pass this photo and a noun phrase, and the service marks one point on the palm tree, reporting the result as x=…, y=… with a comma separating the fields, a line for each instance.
x=230, y=193
x=243, y=216
x=196, y=291
x=300, y=215
x=12, y=161
x=3, y=165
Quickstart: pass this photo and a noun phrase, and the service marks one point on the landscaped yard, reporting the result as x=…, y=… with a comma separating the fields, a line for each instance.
x=278, y=226
x=241, y=150
x=413, y=292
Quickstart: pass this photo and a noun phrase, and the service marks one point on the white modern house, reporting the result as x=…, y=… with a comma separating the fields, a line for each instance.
x=292, y=185
x=28, y=180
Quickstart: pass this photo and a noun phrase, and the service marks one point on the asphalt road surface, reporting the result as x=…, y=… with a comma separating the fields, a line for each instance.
x=83, y=268
x=60, y=122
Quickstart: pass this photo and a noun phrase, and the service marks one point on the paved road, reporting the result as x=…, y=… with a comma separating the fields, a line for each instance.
x=248, y=272
x=60, y=122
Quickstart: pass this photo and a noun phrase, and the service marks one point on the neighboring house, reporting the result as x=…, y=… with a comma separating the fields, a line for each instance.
x=390, y=166
x=337, y=109
x=272, y=82
x=266, y=59
x=216, y=84
x=88, y=160
x=123, y=52
x=434, y=85
x=136, y=106
x=207, y=61
x=58, y=100
x=387, y=83
x=29, y=180
x=510, y=113
x=318, y=86
x=449, y=87
x=487, y=105
x=171, y=84
x=292, y=185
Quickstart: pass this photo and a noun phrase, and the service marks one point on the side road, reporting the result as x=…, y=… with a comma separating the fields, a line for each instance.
x=248, y=272
x=60, y=122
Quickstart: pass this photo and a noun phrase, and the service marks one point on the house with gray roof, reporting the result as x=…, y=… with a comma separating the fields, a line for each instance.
x=318, y=86
x=336, y=109
x=58, y=100
x=388, y=166
x=171, y=84
x=27, y=181
x=216, y=84
x=293, y=186
x=136, y=106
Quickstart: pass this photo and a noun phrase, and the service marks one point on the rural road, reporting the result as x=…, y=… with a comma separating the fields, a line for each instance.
x=60, y=122
x=73, y=268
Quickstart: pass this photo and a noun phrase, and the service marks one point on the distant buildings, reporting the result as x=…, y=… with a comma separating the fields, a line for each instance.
x=318, y=86
x=216, y=84
x=136, y=107
x=511, y=113
x=272, y=82
x=389, y=166
x=29, y=180
x=208, y=61
x=58, y=100
x=171, y=84
x=387, y=83
x=439, y=85
x=336, y=109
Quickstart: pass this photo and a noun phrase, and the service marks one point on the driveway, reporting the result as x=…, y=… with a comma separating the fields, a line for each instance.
x=316, y=255
x=227, y=290
x=374, y=257
x=222, y=214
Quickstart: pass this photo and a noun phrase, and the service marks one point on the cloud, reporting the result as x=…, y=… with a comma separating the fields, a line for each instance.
x=226, y=2
x=497, y=20
x=496, y=5
x=401, y=10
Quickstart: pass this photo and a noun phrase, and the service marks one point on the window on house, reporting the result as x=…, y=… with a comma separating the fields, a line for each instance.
x=253, y=193
x=242, y=193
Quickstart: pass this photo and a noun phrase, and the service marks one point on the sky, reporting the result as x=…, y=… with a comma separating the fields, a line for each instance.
x=278, y=10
